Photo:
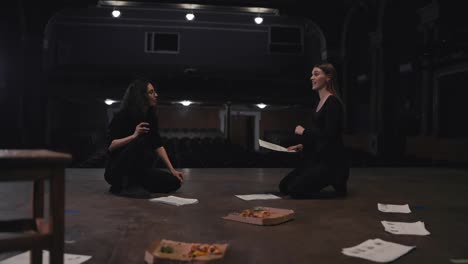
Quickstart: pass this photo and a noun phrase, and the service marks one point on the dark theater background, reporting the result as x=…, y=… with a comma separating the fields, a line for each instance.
x=402, y=73
x=228, y=73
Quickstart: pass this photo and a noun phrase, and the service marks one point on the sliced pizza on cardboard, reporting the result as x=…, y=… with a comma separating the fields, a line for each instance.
x=262, y=216
x=168, y=251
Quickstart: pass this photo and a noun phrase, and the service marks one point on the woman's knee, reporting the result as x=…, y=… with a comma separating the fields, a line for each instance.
x=173, y=184
x=176, y=186
x=161, y=182
x=283, y=186
x=169, y=186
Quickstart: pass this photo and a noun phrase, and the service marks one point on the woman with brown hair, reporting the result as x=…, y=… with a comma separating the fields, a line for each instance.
x=324, y=160
x=134, y=140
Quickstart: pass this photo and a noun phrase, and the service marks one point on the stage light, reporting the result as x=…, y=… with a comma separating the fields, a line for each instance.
x=261, y=105
x=115, y=13
x=186, y=103
x=109, y=101
x=190, y=16
x=258, y=20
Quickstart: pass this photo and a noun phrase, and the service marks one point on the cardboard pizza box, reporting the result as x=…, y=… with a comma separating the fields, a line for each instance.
x=168, y=251
x=275, y=216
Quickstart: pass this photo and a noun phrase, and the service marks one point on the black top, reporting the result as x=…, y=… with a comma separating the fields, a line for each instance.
x=323, y=141
x=123, y=125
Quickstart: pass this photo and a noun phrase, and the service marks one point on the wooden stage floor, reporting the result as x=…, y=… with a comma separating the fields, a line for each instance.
x=117, y=230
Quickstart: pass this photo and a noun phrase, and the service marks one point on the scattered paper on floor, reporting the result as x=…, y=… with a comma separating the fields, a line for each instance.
x=394, y=208
x=174, y=200
x=24, y=258
x=401, y=228
x=459, y=261
x=377, y=250
x=250, y=197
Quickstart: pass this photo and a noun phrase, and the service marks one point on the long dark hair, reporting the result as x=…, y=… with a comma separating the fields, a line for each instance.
x=332, y=86
x=330, y=71
x=135, y=99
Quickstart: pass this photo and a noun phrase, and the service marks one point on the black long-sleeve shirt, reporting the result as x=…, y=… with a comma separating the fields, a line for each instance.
x=323, y=141
x=123, y=125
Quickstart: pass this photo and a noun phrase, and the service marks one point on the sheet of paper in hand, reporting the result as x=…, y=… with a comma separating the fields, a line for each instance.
x=168, y=251
x=262, y=216
x=272, y=146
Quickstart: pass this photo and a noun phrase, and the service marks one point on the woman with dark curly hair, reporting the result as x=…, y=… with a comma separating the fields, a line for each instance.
x=134, y=138
x=325, y=161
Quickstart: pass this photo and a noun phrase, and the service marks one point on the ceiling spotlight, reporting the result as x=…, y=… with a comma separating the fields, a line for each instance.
x=186, y=103
x=115, y=13
x=258, y=20
x=190, y=16
x=261, y=105
x=109, y=101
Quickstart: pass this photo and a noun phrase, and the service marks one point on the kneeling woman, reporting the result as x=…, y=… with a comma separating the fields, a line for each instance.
x=133, y=142
x=325, y=162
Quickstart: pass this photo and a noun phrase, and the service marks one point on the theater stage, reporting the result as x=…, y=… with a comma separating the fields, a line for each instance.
x=117, y=230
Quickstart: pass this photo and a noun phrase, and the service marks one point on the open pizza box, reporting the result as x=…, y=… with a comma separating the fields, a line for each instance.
x=168, y=251
x=262, y=216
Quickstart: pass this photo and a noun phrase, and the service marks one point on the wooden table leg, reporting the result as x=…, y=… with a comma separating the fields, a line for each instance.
x=35, y=256
x=38, y=199
x=57, y=217
x=38, y=213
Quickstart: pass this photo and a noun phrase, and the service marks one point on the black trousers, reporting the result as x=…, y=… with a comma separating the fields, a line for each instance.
x=133, y=165
x=307, y=181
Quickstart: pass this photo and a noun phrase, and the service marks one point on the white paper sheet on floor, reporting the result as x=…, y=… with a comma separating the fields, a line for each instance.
x=250, y=197
x=377, y=250
x=394, y=208
x=23, y=258
x=174, y=200
x=401, y=228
